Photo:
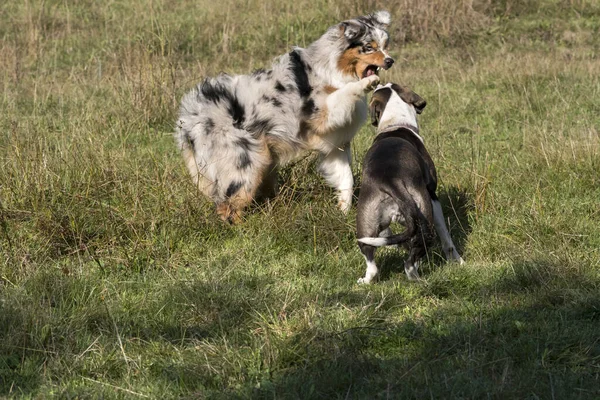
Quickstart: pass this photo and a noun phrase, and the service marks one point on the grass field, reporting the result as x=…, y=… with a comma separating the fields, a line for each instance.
x=117, y=280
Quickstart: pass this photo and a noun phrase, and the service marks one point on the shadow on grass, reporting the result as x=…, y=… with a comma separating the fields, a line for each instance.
x=52, y=330
x=19, y=368
x=513, y=353
x=519, y=346
x=531, y=332
x=538, y=342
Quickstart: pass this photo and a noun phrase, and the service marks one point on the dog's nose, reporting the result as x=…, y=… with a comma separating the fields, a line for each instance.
x=389, y=61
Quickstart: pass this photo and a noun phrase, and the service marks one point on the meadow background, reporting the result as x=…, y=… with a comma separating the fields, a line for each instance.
x=117, y=280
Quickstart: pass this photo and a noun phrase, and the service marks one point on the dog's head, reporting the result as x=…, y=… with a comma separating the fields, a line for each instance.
x=364, y=40
x=395, y=104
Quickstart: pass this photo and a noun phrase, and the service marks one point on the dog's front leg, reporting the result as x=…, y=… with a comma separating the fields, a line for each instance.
x=341, y=104
x=340, y=114
x=442, y=231
x=335, y=168
x=368, y=253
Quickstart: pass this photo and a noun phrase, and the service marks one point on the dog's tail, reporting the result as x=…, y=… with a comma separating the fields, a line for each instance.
x=417, y=227
x=387, y=241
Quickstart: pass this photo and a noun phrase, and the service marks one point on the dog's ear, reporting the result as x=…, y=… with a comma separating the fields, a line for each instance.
x=352, y=30
x=410, y=97
x=375, y=109
x=381, y=18
x=419, y=103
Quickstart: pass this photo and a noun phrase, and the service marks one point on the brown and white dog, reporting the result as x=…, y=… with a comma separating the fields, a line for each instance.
x=398, y=184
x=234, y=131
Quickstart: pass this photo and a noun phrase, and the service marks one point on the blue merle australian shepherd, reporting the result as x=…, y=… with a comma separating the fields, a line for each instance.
x=234, y=131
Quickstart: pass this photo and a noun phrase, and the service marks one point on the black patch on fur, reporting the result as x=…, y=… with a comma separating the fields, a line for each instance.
x=217, y=92
x=213, y=92
x=244, y=143
x=215, y=188
x=244, y=160
x=209, y=124
x=237, y=112
x=300, y=76
x=259, y=126
x=279, y=87
x=273, y=100
x=233, y=188
x=189, y=140
x=304, y=129
x=355, y=44
x=262, y=71
x=308, y=108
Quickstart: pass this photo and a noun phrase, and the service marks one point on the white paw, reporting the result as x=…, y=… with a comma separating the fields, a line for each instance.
x=345, y=200
x=344, y=206
x=456, y=257
x=411, y=273
x=369, y=83
x=413, y=276
x=453, y=256
x=364, y=281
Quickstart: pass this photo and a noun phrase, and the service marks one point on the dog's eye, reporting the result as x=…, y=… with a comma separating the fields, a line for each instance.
x=367, y=48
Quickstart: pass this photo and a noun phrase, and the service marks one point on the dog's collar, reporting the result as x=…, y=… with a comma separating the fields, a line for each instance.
x=414, y=130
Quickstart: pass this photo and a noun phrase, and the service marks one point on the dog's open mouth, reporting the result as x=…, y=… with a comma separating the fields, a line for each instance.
x=371, y=70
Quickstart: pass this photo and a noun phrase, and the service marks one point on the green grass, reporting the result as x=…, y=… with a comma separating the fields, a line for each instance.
x=117, y=280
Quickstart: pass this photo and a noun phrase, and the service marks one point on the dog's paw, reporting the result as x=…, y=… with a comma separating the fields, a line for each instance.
x=412, y=272
x=453, y=256
x=344, y=206
x=344, y=200
x=369, y=83
x=363, y=281
x=413, y=276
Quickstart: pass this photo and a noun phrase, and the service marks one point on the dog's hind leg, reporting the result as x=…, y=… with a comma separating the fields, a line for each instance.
x=243, y=186
x=417, y=248
x=231, y=210
x=368, y=253
x=205, y=185
x=423, y=235
x=369, y=223
x=335, y=168
x=239, y=196
x=412, y=269
x=268, y=187
x=442, y=231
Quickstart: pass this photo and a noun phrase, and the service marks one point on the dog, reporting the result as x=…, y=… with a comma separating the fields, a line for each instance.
x=234, y=131
x=399, y=181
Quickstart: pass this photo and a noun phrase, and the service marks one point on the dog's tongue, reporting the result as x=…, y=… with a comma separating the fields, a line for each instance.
x=370, y=72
